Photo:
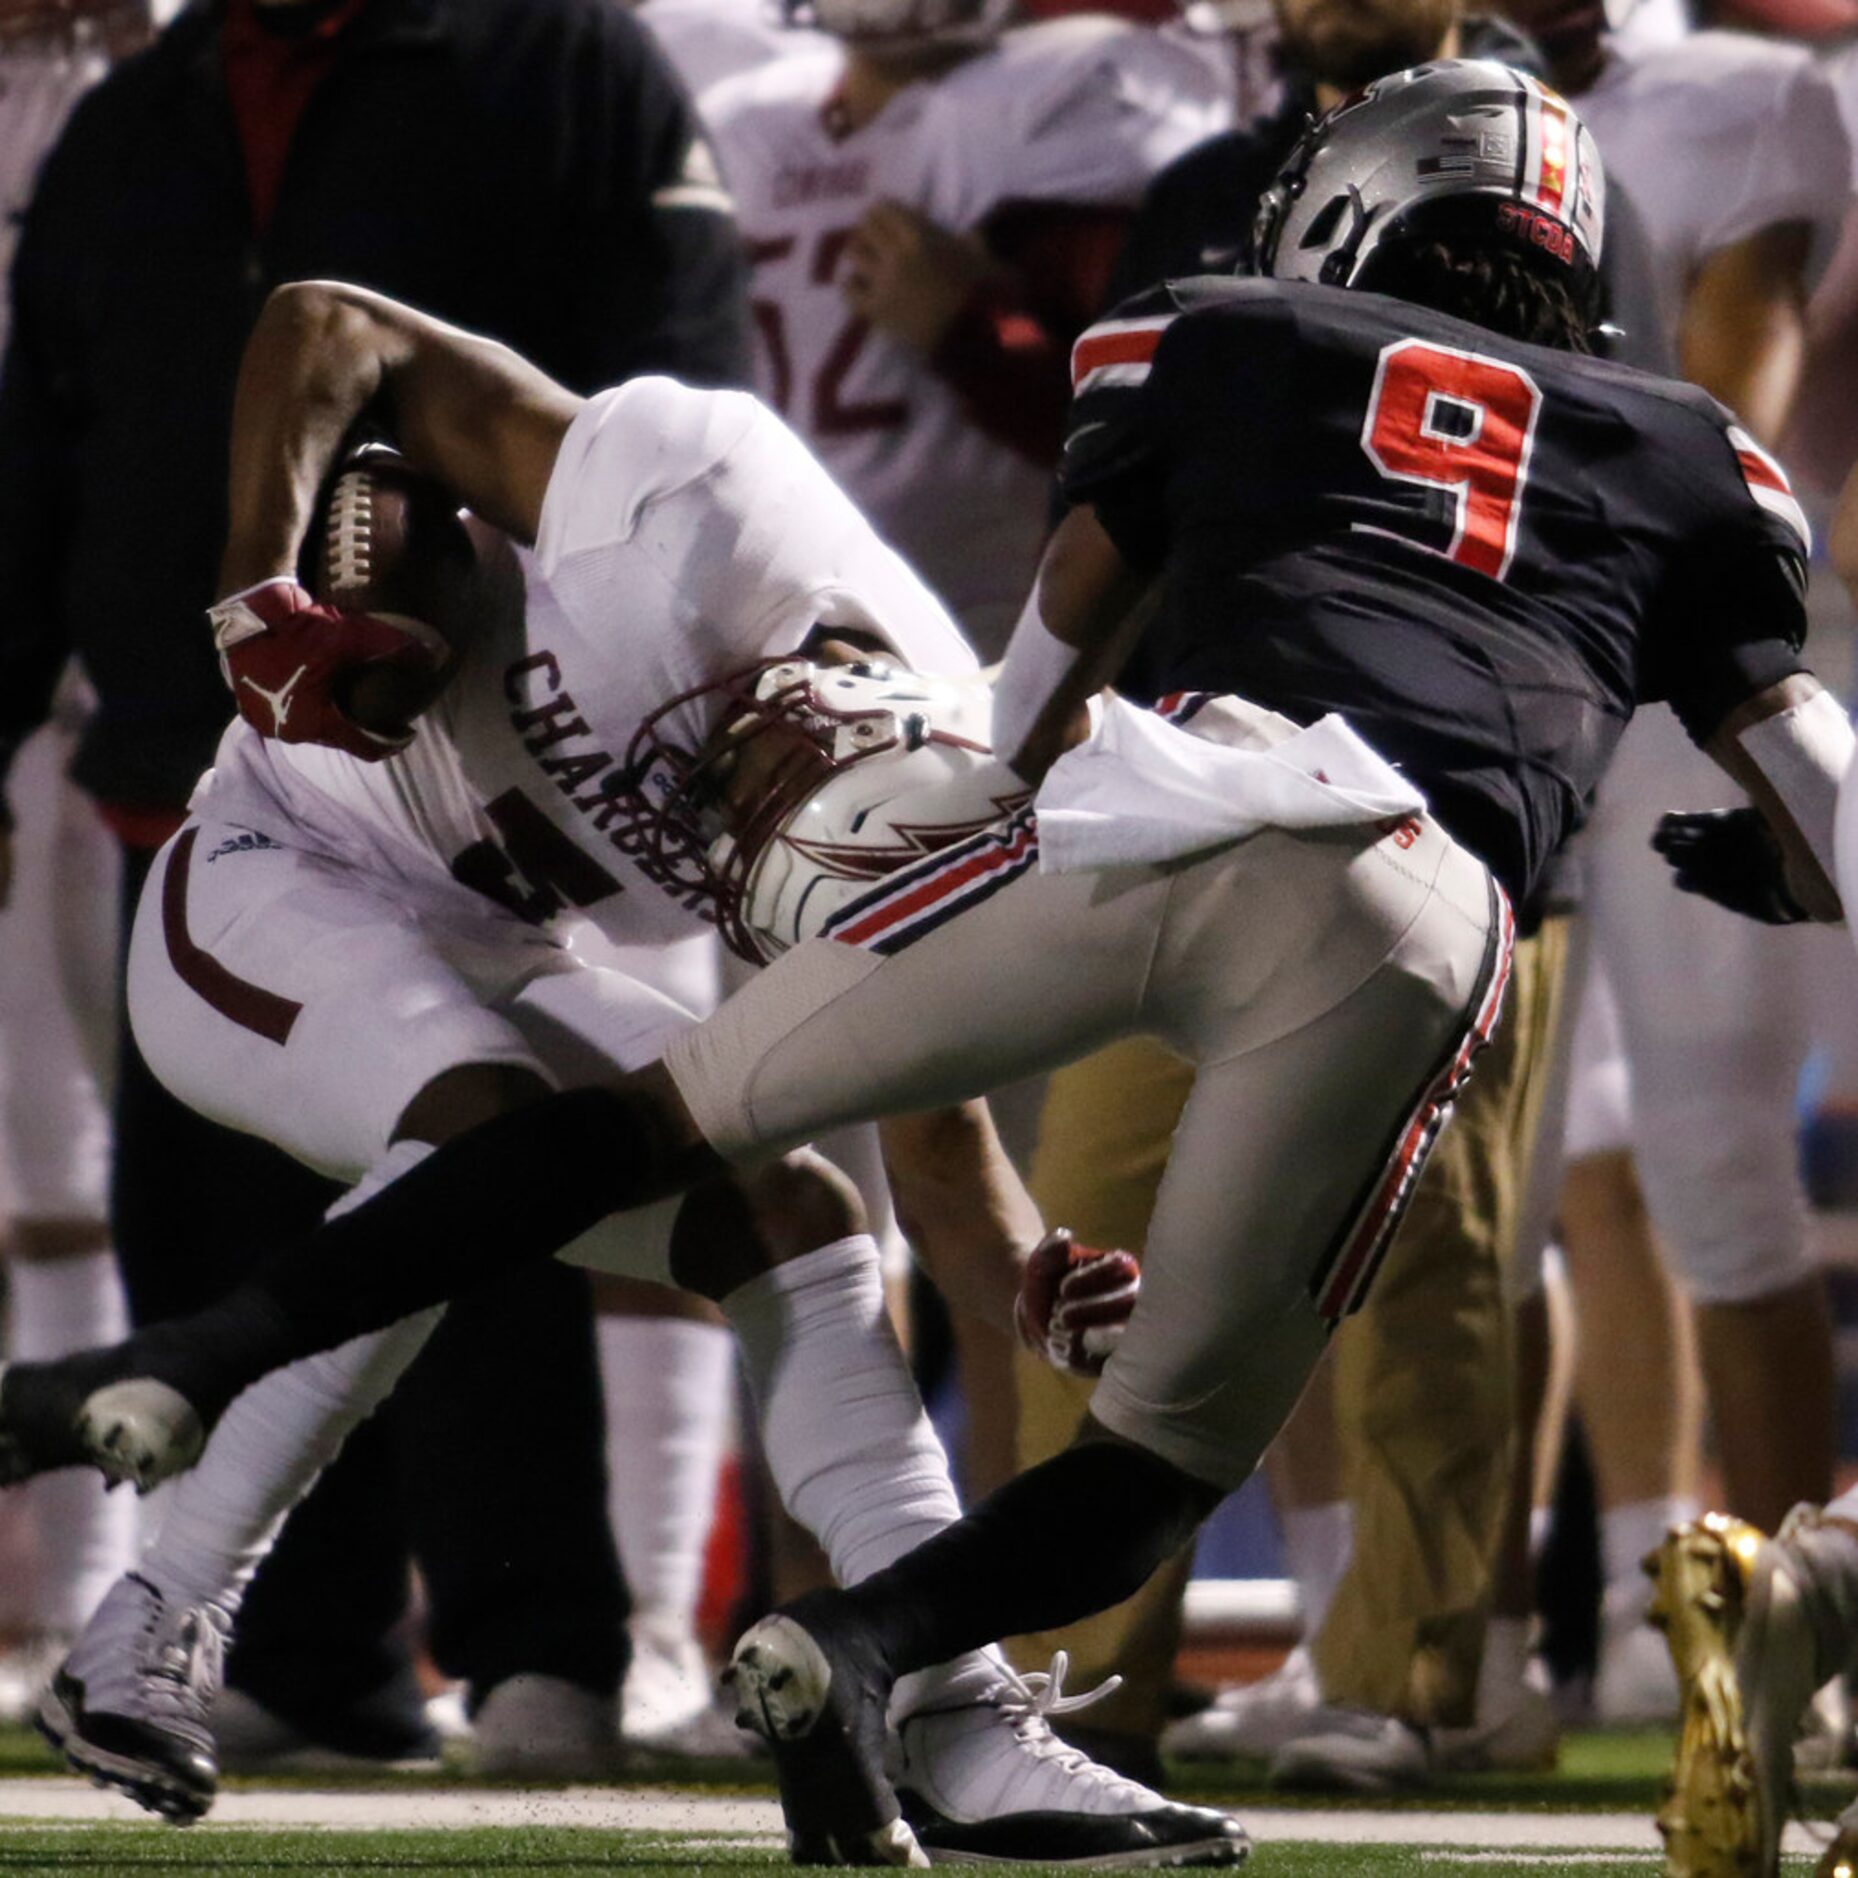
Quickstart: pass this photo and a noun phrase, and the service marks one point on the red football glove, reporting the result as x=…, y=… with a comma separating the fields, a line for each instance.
x=1074, y=1302
x=281, y=653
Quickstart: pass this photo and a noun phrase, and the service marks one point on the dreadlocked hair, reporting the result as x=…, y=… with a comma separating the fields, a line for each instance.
x=1505, y=290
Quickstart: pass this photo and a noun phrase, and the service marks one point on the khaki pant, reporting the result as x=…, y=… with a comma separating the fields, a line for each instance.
x=1422, y=1373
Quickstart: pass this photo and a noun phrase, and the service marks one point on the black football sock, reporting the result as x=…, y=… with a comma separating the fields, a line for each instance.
x=511, y=1191
x=1064, y=1540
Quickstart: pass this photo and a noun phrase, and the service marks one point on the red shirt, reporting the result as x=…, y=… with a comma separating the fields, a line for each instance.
x=271, y=75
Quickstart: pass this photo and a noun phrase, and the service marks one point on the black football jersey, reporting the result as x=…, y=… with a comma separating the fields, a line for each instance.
x=1482, y=553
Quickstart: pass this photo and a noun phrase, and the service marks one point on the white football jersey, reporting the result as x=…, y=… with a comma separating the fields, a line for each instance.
x=1718, y=136
x=1079, y=111
x=710, y=40
x=1237, y=41
x=685, y=535
x=1641, y=25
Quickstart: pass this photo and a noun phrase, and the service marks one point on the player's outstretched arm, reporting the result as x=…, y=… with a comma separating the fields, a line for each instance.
x=463, y=409
x=962, y=1206
x=1087, y=609
x=1789, y=746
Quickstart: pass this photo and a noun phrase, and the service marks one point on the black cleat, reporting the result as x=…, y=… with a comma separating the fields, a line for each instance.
x=803, y=1683
x=90, y=1410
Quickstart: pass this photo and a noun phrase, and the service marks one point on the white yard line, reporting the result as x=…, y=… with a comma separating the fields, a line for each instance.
x=54, y=1799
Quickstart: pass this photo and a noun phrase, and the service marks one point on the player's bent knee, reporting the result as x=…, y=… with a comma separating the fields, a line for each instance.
x=458, y=1100
x=802, y=1202
x=731, y=1230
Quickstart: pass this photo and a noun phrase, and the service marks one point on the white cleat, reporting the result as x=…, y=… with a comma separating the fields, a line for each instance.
x=1635, y=1686
x=986, y=1781
x=668, y=1705
x=1355, y=1751
x=537, y=1727
x=1253, y=1720
x=140, y=1431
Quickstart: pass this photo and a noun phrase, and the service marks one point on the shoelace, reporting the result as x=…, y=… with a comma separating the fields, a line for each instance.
x=1029, y=1699
x=187, y=1668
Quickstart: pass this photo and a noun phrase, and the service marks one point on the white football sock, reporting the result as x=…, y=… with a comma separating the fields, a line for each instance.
x=85, y=1537
x=1627, y=1534
x=1318, y=1543
x=223, y=1517
x=846, y=1437
x=1503, y=1673
x=60, y=1305
x=668, y=1399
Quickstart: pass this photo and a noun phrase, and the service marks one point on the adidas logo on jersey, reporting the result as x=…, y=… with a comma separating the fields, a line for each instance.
x=242, y=844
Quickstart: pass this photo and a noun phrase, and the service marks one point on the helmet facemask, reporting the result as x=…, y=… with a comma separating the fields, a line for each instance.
x=704, y=819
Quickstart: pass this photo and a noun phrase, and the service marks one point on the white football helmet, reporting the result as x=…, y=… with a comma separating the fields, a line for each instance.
x=1455, y=141
x=878, y=766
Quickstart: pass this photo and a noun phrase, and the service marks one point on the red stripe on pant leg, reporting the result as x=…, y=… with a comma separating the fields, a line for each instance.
x=1381, y=1214
x=249, y=1006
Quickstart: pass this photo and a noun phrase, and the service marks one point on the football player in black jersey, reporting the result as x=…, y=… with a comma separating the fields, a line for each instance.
x=1382, y=488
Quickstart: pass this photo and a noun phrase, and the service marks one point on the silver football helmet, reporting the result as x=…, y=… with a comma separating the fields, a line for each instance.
x=878, y=767
x=902, y=25
x=1424, y=149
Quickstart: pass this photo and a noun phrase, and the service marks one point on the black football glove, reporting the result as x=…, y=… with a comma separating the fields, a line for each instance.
x=1730, y=856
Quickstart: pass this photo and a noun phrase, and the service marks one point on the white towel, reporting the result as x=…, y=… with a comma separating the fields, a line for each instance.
x=1142, y=790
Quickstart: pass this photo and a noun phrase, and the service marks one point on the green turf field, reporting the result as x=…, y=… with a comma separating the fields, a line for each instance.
x=1579, y=1823
x=587, y=1854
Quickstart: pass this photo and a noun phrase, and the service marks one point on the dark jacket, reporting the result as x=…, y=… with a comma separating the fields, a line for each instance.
x=492, y=161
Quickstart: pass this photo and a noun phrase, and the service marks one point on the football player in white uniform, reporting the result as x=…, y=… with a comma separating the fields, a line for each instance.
x=931, y=207
x=1329, y=1044
x=359, y=957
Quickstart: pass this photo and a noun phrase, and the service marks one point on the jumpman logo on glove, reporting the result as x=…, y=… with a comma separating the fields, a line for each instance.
x=279, y=700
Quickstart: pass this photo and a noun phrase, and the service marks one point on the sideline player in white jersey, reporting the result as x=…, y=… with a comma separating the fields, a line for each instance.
x=710, y=40
x=58, y=926
x=58, y=941
x=931, y=207
x=359, y=950
x=1735, y=155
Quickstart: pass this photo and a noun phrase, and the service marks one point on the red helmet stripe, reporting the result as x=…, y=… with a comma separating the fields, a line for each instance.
x=1116, y=343
x=1552, y=189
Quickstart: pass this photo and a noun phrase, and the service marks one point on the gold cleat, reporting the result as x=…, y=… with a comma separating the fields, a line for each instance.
x=1840, y=1858
x=1716, y=1820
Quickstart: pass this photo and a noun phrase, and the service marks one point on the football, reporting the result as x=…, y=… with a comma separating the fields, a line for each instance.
x=398, y=544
